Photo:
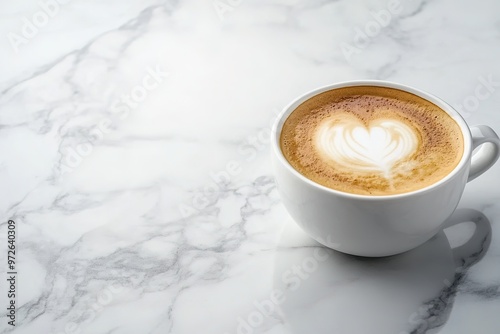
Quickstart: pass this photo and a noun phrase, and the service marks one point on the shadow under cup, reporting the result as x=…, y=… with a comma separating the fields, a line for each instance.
x=379, y=225
x=324, y=291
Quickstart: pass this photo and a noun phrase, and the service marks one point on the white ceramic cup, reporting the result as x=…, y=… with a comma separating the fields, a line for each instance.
x=380, y=225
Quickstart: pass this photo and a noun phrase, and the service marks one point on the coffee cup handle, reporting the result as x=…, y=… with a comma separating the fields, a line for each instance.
x=488, y=154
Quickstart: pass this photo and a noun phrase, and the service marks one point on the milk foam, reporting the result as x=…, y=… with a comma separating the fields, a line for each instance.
x=376, y=148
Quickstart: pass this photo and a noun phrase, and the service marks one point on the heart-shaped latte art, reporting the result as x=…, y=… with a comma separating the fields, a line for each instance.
x=376, y=148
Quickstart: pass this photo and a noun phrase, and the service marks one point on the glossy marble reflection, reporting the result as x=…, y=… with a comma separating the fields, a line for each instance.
x=134, y=160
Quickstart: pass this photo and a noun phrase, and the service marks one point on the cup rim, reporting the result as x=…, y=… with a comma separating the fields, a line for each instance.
x=283, y=115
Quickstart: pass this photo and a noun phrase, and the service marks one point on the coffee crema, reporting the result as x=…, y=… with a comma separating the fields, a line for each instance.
x=371, y=140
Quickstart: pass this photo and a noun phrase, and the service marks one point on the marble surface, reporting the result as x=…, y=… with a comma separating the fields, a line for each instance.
x=134, y=159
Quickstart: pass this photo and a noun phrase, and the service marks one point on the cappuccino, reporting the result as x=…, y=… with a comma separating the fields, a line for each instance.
x=371, y=140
